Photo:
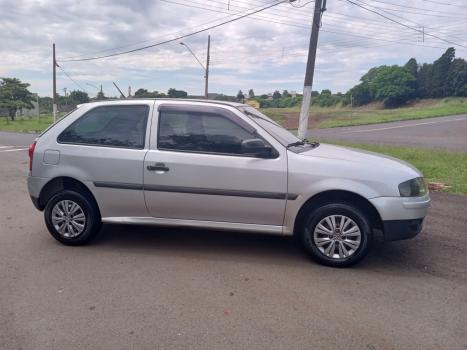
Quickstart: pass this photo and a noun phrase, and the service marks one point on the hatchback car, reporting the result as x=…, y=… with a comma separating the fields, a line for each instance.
x=217, y=165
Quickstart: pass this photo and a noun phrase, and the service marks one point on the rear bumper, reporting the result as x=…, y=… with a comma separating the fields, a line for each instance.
x=396, y=230
x=35, y=185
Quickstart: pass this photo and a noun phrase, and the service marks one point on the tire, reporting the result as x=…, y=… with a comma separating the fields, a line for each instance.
x=79, y=225
x=354, y=238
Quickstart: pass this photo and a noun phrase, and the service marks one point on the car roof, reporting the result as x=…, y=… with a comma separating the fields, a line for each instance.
x=174, y=100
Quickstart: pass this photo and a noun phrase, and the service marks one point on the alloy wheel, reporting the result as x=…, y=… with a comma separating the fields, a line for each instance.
x=337, y=236
x=68, y=218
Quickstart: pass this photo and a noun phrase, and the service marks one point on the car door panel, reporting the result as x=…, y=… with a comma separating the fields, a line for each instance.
x=215, y=187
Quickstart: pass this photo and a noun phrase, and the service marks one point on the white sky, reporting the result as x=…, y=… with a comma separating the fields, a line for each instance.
x=265, y=52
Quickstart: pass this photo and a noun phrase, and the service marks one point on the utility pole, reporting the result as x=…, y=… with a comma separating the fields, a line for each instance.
x=320, y=7
x=205, y=67
x=66, y=99
x=38, y=107
x=54, y=96
x=207, y=70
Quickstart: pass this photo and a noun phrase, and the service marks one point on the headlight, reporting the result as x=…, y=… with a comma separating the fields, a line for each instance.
x=413, y=188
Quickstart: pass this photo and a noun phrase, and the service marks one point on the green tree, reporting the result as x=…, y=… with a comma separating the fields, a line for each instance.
x=360, y=94
x=276, y=95
x=393, y=86
x=412, y=67
x=45, y=105
x=441, y=69
x=251, y=93
x=173, y=93
x=15, y=95
x=100, y=96
x=78, y=97
x=240, y=95
x=457, y=78
x=141, y=93
x=285, y=93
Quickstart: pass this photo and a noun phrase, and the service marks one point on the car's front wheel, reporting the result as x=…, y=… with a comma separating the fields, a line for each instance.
x=72, y=218
x=336, y=234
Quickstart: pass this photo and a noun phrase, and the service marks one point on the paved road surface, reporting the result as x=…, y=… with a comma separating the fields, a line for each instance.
x=154, y=288
x=443, y=133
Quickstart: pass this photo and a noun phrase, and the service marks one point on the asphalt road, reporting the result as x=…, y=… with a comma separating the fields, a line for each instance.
x=439, y=133
x=154, y=288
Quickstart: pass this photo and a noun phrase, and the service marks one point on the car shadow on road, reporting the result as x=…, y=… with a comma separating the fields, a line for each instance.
x=226, y=245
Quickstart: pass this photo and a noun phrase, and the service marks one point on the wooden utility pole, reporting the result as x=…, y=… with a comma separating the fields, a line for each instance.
x=54, y=96
x=320, y=7
x=207, y=70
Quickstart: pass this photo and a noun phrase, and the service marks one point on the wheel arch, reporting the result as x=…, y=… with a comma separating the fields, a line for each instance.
x=62, y=183
x=338, y=196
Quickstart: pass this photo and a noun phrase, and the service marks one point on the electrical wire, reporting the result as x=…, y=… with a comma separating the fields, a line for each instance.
x=177, y=38
x=69, y=77
x=300, y=6
x=412, y=7
x=405, y=25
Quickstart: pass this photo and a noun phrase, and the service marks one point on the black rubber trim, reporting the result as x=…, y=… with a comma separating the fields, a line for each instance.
x=396, y=230
x=196, y=190
x=119, y=185
x=35, y=201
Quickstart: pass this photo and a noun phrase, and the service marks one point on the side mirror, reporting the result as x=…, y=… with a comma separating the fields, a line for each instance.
x=256, y=148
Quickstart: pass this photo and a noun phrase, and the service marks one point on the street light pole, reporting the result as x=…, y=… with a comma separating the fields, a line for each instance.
x=54, y=93
x=206, y=68
x=206, y=76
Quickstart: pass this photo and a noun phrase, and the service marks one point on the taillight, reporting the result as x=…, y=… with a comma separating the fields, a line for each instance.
x=32, y=147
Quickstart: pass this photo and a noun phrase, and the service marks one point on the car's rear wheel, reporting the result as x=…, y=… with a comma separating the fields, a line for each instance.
x=336, y=234
x=72, y=218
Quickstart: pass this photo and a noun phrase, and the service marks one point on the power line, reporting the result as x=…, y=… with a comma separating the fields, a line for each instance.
x=264, y=18
x=412, y=7
x=143, y=41
x=69, y=77
x=405, y=25
x=416, y=12
x=300, y=6
x=177, y=38
x=257, y=17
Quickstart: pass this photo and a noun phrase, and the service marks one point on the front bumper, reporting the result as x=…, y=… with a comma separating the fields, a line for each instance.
x=396, y=230
x=401, y=208
x=402, y=217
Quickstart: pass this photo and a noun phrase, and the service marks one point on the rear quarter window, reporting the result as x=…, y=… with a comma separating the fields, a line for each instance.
x=111, y=126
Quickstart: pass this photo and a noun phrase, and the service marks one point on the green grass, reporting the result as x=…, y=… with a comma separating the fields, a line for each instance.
x=32, y=124
x=371, y=114
x=447, y=167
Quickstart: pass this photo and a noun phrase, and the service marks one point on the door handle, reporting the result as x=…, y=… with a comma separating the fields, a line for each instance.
x=158, y=167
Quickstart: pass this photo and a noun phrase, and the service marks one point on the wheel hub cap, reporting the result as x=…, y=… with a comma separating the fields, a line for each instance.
x=68, y=218
x=337, y=236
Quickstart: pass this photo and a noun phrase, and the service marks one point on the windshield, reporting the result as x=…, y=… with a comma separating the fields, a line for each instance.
x=282, y=135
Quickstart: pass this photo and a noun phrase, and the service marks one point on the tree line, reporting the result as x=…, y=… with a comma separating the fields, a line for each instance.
x=396, y=85
x=392, y=85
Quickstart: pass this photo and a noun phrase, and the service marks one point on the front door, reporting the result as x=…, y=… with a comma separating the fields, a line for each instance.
x=195, y=169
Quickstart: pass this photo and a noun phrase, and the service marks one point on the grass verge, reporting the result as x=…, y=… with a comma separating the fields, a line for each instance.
x=32, y=124
x=447, y=167
x=371, y=114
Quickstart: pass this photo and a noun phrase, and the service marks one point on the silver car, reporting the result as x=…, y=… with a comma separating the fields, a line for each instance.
x=217, y=165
